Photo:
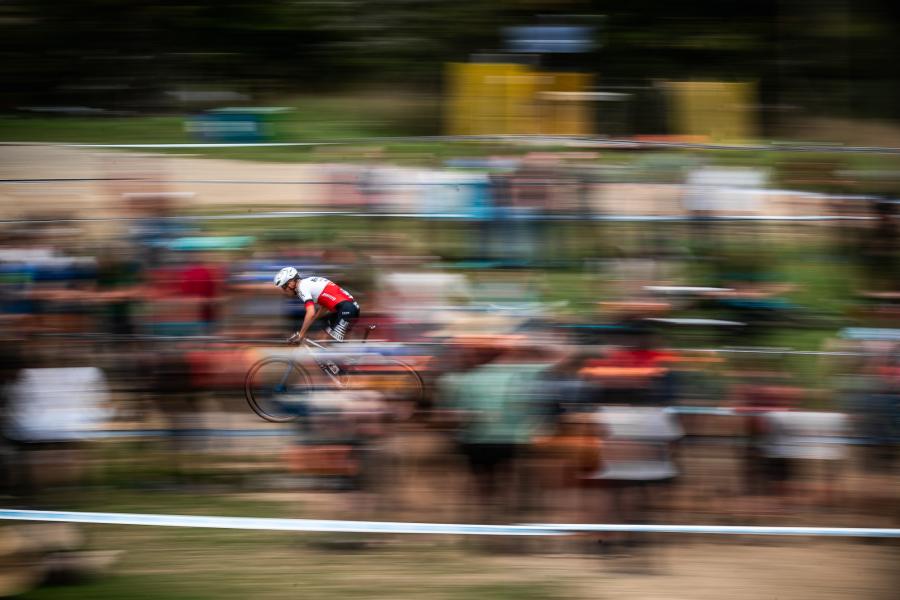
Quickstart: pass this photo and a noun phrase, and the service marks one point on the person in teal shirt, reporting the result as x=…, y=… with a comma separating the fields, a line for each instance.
x=498, y=407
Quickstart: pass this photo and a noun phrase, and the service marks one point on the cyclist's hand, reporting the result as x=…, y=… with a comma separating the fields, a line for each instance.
x=295, y=339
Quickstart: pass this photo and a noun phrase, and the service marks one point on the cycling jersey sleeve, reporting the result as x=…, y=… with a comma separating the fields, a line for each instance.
x=304, y=292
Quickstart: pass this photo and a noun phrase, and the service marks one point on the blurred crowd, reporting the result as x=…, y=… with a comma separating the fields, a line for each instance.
x=574, y=370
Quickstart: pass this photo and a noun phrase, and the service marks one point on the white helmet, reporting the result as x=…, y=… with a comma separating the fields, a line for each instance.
x=285, y=275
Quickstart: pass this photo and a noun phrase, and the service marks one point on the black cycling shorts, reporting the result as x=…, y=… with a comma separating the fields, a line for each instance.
x=341, y=321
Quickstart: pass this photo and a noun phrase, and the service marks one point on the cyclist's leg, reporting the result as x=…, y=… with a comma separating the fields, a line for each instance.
x=342, y=320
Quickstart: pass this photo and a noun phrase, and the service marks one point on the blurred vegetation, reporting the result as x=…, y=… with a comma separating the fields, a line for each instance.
x=327, y=117
x=832, y=57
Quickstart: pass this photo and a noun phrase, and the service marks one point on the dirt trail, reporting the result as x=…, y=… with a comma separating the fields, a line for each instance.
x=167, y=173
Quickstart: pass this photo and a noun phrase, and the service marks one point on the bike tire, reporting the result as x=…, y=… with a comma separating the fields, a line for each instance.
x=398, y=380
x=272, y=387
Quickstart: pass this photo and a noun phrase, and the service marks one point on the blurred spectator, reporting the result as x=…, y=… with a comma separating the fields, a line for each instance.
x=636, y=463
x=758, y=393
x=171, y=395
x=497, y=404
x=564, y=458
x=118, y=278
x=183, y=295
x=156, y=223
x=201, y=282
x=875, y=405
x=11, y=361
x=567, y=391
x=795, y=444
x=879, y=248
x=635, y=372
x=50, y=413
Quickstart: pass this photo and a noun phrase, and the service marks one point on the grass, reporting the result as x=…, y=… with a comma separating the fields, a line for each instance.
x=206, y=564
x=284, y=580
x=302, y=126
x=133, y=587
x=110, y=130
x=286, y=568
x=188, y=563
x=367, y=115
x=310, y=118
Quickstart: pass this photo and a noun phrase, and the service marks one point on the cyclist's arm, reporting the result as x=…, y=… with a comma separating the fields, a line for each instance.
x=311, y=315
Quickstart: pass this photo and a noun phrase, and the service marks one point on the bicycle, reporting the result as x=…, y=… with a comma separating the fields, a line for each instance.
x=279, y=388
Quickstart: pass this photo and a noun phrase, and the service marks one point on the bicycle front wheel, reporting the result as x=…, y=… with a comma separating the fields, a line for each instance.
x=277, y=389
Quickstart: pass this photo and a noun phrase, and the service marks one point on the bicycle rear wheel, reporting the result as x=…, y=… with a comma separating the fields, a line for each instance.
x=397, y=381
x=277, y=389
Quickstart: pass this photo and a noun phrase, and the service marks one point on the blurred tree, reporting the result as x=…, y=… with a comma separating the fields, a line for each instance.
x=126, y=53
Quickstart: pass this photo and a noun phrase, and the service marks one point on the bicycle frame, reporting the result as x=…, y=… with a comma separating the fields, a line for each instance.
x=330, y=368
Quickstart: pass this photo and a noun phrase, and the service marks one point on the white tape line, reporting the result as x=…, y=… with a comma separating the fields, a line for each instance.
x=460, y=216
x=317, y=525
x=732, y=530
x=273, y=524
x=540, y=140
x=198, y=432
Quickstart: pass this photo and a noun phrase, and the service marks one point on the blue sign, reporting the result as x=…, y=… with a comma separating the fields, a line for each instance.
x=547, y=39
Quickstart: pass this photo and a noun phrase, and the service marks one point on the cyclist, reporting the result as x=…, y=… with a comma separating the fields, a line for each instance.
x=324, y=294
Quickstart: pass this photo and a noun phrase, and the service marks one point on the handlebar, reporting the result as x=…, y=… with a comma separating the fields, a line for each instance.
x=295, y=339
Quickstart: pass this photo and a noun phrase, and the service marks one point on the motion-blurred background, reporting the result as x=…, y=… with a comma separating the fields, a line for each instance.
x=643, y=256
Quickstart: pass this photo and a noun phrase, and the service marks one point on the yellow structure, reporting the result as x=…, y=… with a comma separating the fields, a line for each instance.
x=513, y=99
x=565, y=105
x=719, y=111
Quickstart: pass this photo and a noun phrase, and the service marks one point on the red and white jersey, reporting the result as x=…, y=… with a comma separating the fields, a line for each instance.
x=321, y=291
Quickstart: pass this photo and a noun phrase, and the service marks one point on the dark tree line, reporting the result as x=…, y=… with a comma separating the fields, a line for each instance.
x=831, y=56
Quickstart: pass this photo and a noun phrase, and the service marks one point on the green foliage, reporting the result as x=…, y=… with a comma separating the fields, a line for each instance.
x=128, y=54
x=112, y=130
